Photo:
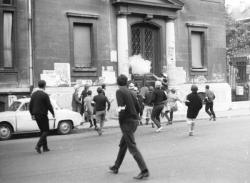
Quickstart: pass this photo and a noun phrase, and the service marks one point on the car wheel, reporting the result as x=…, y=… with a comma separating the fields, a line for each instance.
x=64, y=127
x=5, y=131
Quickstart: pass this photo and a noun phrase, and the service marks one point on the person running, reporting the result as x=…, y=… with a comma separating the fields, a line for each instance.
x=194, y=104
x=100, y=108
x=39, y=106
x=209, y=103
x=171, y=105
x=128, y=119
x=158, y=100
x=149, y=105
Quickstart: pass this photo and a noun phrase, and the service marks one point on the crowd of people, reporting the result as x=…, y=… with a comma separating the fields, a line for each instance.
x=132, y=102
x=155, y=102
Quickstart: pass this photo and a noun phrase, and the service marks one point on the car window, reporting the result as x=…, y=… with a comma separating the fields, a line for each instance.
x=14, y=106
x=25, y=107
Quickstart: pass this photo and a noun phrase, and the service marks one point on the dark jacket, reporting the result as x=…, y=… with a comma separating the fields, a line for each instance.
x=126, y=98
x=158, y=97
x=194, y=105
x=40, y=104
x=83, y=96
x=100, y=102
x=148, y=98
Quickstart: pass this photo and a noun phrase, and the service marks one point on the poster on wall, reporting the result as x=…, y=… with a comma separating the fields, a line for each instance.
x=63, y=72
x=109, y=77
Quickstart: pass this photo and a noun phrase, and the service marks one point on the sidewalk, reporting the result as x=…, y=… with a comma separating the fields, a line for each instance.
x=181, y=117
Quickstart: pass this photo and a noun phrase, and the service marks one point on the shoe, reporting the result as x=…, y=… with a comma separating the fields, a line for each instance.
x=38, y=150
x=113, y=169
x=153, y=125
x=46, y=150
x=170, y=122
x=190, y=133
x=142, y=175
x=90, y=126
x=99, y=132
x=214, y=119
x=159, y=129
x=211, y=117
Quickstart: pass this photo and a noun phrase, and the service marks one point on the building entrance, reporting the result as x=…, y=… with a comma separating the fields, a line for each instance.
x=145, y=42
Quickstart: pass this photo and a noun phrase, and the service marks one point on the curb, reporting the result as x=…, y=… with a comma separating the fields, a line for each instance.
x=178, y=120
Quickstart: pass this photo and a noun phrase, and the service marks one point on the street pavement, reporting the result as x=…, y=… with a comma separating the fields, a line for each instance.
x=217, y=153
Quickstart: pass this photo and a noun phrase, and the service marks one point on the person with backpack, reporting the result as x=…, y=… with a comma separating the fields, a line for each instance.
x=209, y=103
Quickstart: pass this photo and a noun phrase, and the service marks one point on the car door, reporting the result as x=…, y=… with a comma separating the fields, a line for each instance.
x=23, y=119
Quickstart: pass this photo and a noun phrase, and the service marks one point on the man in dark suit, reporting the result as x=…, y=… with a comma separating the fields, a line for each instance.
x=39, y=107
x=128, y=108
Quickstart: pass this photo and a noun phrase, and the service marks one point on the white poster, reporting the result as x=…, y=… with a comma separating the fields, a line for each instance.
x=109, y=77
x=113, y=56
x=63, y=71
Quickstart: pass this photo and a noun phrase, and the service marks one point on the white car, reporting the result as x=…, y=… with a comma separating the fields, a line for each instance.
x=18, y=119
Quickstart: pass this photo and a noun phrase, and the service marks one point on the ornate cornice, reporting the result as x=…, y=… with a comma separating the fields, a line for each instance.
x=171, y=4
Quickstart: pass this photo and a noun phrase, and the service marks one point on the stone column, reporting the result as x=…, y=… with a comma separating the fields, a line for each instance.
x=170, y=51
x=122, y=44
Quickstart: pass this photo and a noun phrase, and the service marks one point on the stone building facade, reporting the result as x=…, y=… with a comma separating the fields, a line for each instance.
x=94, y=39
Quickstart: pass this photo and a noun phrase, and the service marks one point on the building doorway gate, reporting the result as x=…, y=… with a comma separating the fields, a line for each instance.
x=145, y=42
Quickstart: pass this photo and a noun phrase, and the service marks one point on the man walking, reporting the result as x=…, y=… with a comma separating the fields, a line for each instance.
x=209, y=103
x=39, y=107
x=128, y=118
x=100, y=108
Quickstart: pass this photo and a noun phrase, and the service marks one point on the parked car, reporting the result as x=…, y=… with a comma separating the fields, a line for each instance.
x=17, y=119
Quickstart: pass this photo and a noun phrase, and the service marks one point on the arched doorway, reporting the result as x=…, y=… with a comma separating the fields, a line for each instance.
x=145, y=41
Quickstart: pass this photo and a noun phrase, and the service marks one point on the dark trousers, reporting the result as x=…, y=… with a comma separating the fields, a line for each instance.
x=43, y=124
x=155, y=116
x=209, y=109
x=171, y=115
x=128, y=127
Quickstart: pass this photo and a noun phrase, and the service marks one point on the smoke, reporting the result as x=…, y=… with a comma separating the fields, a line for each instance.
x=138, y=65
